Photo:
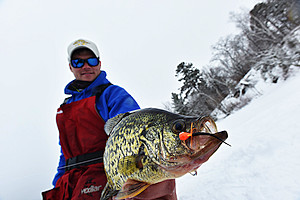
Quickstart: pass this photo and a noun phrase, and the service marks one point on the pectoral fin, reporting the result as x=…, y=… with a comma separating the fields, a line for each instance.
x=132, y=188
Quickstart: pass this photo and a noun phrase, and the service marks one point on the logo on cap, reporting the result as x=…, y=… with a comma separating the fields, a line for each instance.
x=80, y=43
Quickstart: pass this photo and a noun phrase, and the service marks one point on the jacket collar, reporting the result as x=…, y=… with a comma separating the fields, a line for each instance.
x=72, y=89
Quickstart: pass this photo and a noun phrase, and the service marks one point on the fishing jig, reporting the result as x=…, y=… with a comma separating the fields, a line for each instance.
x=185, y=135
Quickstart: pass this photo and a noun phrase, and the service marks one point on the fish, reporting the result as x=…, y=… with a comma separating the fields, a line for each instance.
x=151, y=145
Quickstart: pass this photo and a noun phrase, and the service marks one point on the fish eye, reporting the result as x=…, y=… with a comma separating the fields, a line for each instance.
x=178, y=126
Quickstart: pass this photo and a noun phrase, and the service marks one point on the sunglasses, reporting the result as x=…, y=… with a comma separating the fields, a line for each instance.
x=78, y=63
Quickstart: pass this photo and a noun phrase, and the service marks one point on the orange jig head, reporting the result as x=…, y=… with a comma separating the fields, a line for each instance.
x=185, y=135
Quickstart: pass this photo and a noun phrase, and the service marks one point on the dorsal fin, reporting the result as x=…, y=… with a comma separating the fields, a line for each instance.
x=112, y=122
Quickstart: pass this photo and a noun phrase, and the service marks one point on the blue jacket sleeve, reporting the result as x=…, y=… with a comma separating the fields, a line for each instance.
x=115, y=100
x=60, y=168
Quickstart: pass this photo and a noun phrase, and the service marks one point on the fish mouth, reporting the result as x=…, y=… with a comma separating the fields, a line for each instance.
x=204, y=135
x=203, y=143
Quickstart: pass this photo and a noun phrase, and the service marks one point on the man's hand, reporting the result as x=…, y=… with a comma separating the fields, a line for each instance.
x=165, y=190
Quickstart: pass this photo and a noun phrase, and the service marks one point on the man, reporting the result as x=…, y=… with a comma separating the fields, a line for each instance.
x=80, y=120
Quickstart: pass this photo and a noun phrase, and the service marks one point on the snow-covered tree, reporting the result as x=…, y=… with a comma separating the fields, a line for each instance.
x=269, y=40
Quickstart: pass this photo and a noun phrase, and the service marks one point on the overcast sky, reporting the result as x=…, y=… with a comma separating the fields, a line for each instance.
x=141, y=43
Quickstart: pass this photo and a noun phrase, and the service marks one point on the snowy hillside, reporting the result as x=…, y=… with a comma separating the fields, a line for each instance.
x=264, y=160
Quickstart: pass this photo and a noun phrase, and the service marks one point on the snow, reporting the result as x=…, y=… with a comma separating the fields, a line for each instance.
x=264, y=161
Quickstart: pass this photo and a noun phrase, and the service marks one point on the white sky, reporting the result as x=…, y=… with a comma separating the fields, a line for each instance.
x=141, y=43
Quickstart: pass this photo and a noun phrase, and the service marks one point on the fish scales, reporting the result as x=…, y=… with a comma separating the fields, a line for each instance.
x=129, y=141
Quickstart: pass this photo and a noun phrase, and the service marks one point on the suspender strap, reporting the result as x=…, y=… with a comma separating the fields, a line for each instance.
x=84, y=160
x=97, y=91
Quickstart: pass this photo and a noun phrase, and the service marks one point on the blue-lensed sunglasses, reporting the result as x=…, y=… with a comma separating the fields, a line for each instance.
x=78, y=63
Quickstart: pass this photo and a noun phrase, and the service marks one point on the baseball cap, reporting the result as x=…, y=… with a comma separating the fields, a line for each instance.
x=82, y=43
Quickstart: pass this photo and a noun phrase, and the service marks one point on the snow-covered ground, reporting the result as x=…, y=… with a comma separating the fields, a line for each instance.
x=264, y=160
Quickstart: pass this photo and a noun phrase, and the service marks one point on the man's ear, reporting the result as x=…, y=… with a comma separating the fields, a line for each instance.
x=70, y=67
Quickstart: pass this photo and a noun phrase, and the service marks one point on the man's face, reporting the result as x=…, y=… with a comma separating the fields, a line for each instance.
x=86, y=72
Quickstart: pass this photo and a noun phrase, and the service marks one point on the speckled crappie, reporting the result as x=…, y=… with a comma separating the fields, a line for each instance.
x=144, y=148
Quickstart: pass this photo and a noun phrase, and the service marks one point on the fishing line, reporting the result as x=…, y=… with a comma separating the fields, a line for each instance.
x=203, y=133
